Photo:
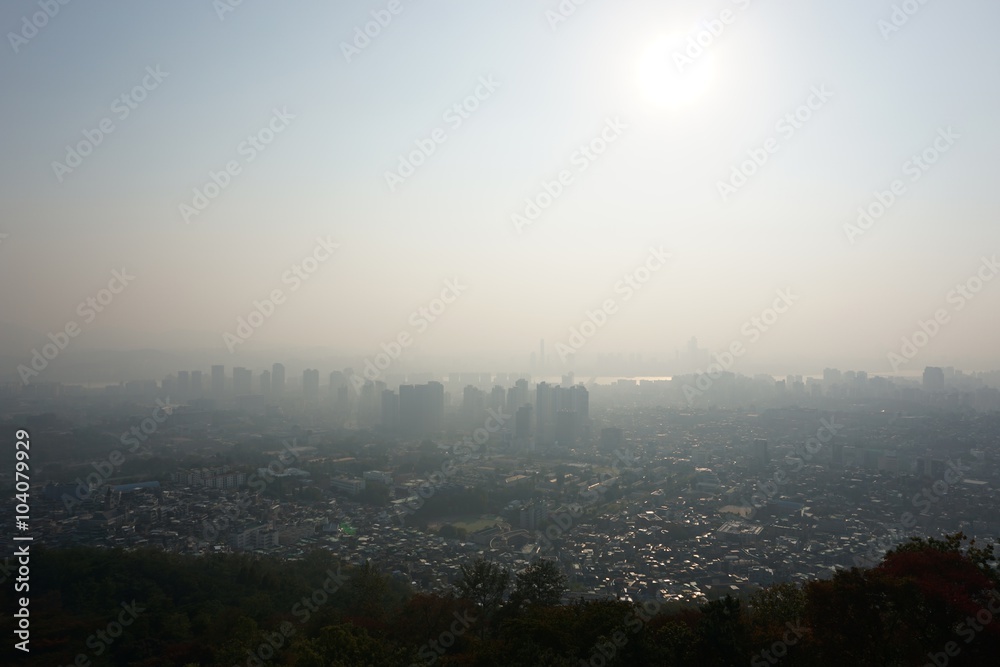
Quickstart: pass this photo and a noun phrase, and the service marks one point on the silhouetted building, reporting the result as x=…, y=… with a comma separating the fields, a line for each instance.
x=522, y=422
x=277, y=378
x=310, y=383
x=934, y=378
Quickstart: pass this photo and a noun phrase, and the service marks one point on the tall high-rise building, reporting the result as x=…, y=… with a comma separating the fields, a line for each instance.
x=265, y=383
x=196, y=386
x=218, y=380
x=522, y=422
x=242, y=381
x=545, y=412
x=518, y=395
x=561, y=414
x=498, y=398
x=277, y=378
x=473, y=406
x=337, y=380
x=310, y=382
x=933, y=378
x=421, y=409
x=566, y=427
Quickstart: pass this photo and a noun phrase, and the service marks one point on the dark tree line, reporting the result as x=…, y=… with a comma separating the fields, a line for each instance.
x=927, y=601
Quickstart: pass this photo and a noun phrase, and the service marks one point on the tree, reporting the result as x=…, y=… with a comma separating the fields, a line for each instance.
x=367, y=592
x=485, y=584
x=541, y=583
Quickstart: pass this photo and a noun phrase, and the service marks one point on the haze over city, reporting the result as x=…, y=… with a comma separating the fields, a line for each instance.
x=506, y=333
x=340, y=118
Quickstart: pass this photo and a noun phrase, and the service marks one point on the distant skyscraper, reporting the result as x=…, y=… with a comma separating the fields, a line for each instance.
x=498, y=398
x=196, y=386
x=421, y=409
x=242, y=381
x=934, y=378
x=218, y=380
x=566, y=431
x=310, y=382
x=277, y=378
x=522, y=422
x=473, y=405
x=265, y=382
x=545, y=412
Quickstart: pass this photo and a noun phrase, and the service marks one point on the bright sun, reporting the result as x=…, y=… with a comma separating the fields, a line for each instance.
x=665, y=84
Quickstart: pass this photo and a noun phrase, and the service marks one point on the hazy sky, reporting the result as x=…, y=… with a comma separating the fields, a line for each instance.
x=679, y=128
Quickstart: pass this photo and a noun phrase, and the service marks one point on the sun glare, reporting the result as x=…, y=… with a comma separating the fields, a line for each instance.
x=667, y=78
